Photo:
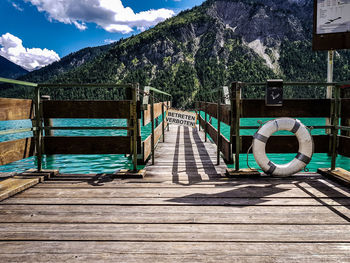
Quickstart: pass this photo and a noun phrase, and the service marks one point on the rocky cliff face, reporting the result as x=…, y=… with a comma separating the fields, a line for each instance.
x=213, y=44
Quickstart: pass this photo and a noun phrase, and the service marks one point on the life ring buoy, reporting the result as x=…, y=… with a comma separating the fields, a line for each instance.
x=305, y=152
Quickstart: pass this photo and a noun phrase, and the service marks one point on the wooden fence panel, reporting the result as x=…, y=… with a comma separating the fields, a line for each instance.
x=344, y=146
x=212, y=111
x=88, y=145
x=213, y=133
x=284, y=144
x=88, y=109
x=12, y=151
x=147, y=146
x=15, y=109
x=345, y=108
x=157, y=112
x=315, y=108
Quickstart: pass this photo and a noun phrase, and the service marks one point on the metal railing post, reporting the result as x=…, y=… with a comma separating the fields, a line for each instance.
x=134, y=124
x=163, y=120
x=152, y=122
x=205, y=123
x=232, y=117
x=219, y=127
x=38, y=130
x=335, y=125
x=167, y=106
x=198, y=112
x=237, y=123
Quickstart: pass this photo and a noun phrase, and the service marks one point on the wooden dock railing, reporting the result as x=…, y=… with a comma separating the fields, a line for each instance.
x=43, y=142
x=152, y=111
x=335, y=109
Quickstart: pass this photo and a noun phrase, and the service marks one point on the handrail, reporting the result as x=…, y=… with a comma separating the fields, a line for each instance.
x=325, y=84
x=88, y=85
x=19, y=82
x=159, y=91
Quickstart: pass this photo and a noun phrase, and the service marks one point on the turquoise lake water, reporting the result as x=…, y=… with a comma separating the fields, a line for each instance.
x=85, y=164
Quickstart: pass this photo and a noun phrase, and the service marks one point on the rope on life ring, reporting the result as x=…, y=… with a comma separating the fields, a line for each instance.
x=303, y=157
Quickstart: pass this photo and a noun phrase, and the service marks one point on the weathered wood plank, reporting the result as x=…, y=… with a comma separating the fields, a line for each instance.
x=12, y=186
x=173, y=214
x=87, y=109
x=188, y=250
x=157, y=112
x=16, y=109
x=344, y=146
x=240, y=192
x=252, y=108
x=176, y=232
x=284, y=144
x=156, y=256
x=87, y=145
x=12, y=151
x=180, y=201
x=339, y=174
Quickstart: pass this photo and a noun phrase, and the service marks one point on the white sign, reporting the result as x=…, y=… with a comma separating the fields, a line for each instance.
x=227, y=95
x=182, y=118
x=333, y=16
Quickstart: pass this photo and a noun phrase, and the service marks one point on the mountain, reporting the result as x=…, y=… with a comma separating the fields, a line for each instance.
x=66, y=64
x=9, y=69
x=210, y=46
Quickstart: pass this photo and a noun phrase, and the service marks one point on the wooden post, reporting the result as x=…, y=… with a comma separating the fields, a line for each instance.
x=232, y=117
x=219, y=127
x=344, y=121
x=152, y=122
x=237, y=123
x=47, y=122
x=205, y=123
x=198, y=111
x=163, y=120
x=134, y=124
x=335, y=125
x=38, y=130
x=329, y=92
x=167, y=108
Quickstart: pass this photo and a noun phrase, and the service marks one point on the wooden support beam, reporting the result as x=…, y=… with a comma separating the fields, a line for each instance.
x=338, y=174
x=88, y=109
x=253, y=108
x=88, y=145
x=285, y=144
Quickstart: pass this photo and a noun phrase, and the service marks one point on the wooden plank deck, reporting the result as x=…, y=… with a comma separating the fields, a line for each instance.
x=184, y=210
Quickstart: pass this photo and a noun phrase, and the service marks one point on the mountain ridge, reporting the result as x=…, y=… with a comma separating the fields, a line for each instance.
x=8, y=69
x=212, y=45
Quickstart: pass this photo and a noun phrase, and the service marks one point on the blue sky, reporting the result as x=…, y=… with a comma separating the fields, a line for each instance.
x=34, y=33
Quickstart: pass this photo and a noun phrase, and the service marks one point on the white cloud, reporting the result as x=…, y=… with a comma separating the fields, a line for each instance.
x=11, y=47
x=111, y=15
x=110, y=41
x=17, y=7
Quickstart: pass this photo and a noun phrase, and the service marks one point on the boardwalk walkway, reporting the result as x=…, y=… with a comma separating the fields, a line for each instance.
x=183, y=211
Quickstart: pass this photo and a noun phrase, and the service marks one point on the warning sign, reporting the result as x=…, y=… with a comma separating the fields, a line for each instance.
x=182, y=118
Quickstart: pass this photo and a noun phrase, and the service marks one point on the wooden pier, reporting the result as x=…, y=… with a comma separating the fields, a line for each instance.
x=184, y=210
